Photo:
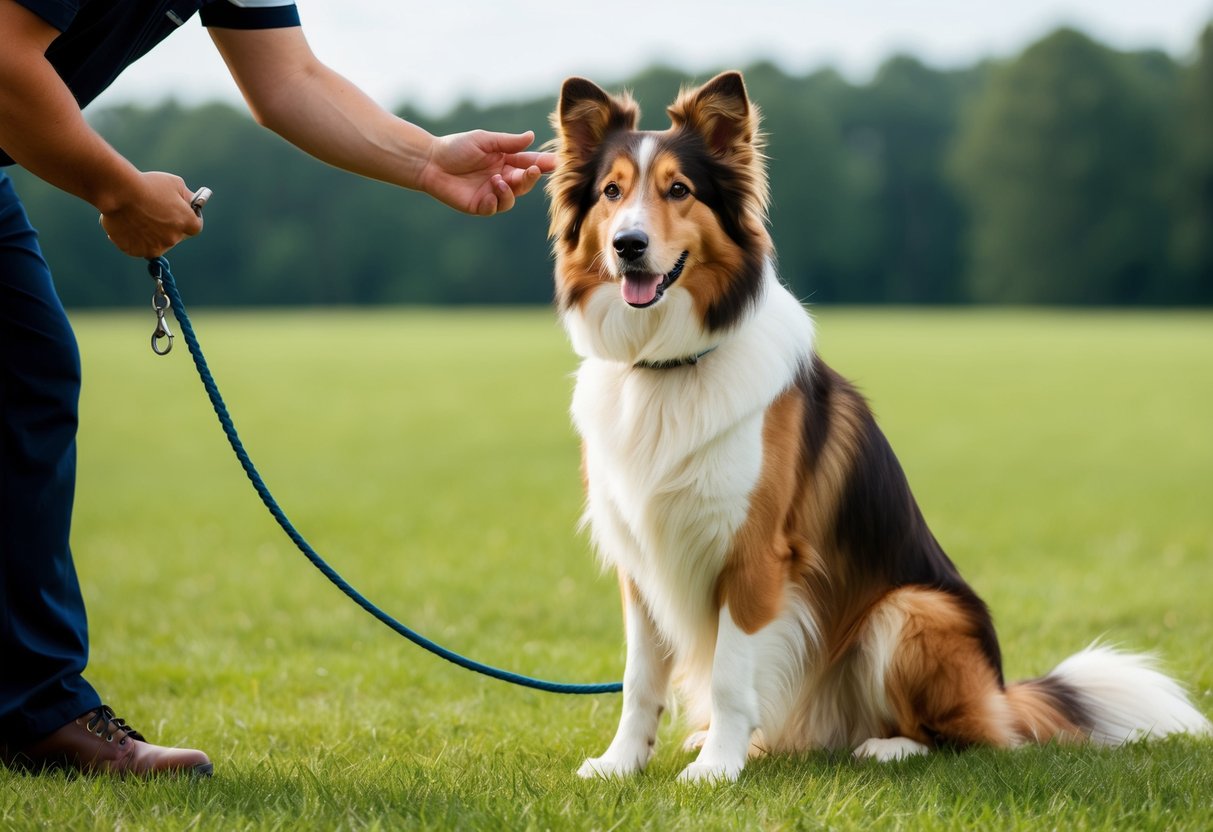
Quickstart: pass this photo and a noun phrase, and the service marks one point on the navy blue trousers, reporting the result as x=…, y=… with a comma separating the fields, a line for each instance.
x=43, y=630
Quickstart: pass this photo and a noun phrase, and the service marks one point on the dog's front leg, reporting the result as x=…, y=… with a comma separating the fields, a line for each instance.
x=735, y=706
x=646, y=682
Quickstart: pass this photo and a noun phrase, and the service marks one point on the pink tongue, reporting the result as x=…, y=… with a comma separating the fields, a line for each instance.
x=640, y=289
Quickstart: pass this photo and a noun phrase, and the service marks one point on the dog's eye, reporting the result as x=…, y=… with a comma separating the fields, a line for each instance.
x=611, y=191
x=679, y=191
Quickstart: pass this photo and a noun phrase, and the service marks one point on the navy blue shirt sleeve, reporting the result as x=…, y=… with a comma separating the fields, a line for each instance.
x=58, y=13
x=250, y=14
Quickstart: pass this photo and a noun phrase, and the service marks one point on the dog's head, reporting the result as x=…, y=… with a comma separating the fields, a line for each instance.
x=638, y=218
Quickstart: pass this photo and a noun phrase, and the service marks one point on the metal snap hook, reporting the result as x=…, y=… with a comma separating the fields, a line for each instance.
x=162, y=340
x=162, y=336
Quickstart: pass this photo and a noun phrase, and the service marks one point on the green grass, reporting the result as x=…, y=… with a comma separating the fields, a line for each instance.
x=1064, y=460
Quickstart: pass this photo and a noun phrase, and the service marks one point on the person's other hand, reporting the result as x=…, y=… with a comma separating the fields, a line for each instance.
x=151, y=217
x=483, y=173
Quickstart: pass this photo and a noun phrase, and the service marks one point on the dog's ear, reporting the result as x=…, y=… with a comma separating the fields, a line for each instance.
x=586, y=115
x=721, y=112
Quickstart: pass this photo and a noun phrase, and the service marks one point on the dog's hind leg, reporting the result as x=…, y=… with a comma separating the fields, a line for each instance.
x=646, y=681
x=938, y=682
x=892, y=748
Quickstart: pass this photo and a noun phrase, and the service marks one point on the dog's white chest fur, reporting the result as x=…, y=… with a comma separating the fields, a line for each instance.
x=672, y=455
x=667, y=487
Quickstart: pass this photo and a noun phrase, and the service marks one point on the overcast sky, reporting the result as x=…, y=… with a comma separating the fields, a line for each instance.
x=434, y=53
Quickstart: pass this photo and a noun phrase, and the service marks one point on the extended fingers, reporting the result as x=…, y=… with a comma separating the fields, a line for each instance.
x=546, y=162
x=513, y=171
x=514, y=146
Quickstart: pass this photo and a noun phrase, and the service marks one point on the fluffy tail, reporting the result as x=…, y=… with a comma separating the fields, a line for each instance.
x=1106, y=697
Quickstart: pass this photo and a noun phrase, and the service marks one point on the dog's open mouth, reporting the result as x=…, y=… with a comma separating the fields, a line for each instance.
x=641, y=289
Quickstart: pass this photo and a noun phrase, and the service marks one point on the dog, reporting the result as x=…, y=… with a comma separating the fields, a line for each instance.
x=773, y=562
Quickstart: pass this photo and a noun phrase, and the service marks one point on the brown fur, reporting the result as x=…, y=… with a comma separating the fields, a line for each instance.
x=763, y=557
x=722, y=112
x=939, y=684
x=1041, y=714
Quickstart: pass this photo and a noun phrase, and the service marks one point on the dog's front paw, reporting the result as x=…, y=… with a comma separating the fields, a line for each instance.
x=606, y=767
x=700, y=772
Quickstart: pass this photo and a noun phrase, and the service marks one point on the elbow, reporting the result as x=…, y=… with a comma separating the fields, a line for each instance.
x=261, y=115
x=266, y=113
x=277, y=106
x=280, y=121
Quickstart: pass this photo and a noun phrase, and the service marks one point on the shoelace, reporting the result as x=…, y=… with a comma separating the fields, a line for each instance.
x=103, y=722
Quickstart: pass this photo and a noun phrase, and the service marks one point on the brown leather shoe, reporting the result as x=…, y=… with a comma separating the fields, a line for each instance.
x=99, y=742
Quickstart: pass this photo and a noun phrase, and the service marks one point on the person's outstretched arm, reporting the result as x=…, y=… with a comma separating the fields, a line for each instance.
x=42, y=128
x=292, y=93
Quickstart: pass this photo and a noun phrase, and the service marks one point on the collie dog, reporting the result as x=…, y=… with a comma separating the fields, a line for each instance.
x=774, y=565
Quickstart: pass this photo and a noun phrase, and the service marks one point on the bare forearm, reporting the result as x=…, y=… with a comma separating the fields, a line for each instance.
x=320, y=112
x=42, y=128
x=339, y=124
x=314, y=108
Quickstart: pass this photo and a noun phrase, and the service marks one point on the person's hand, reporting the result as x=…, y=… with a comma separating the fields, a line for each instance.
x=152, y=216
x=483, y=173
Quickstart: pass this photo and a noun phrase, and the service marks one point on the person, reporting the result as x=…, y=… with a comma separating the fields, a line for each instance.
x=57, y=56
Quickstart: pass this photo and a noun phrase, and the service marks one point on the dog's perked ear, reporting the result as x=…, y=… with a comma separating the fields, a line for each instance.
x=584, y=120
x=721, y=116
x=721, y=112
x=586, y=115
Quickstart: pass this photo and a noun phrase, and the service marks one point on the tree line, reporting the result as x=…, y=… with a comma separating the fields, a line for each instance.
x=1072, y=173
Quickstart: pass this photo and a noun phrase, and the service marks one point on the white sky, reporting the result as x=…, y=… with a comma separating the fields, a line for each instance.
x=436, y=52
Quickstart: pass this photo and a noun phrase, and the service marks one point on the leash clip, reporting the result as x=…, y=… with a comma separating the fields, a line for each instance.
x=162, y=336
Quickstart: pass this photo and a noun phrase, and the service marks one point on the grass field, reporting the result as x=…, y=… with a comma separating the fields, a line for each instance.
x=1065, y=461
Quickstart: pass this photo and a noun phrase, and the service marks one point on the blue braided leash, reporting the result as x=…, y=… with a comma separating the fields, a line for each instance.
x=159, y=270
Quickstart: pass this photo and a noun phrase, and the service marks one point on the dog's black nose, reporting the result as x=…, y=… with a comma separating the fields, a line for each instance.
x=631, y=245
